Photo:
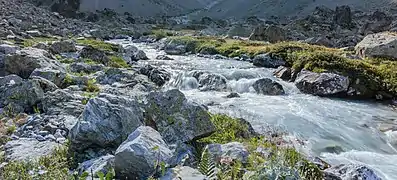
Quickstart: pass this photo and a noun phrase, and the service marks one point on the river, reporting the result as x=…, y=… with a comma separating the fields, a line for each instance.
x=321, y=122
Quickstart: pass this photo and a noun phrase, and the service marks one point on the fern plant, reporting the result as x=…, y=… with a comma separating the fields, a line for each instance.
x=207, y=165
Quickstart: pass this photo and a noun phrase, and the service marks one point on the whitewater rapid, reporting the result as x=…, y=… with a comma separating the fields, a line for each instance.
x=322, y=122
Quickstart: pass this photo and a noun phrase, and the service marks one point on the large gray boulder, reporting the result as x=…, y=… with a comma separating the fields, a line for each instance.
x=321, y=84
x=62, y=102
x=8, y=49
x=270, y=33
x=106, y=121
x=265, y=60
x=19, y=94
x=59, y=47
x=53, y=75
x=212, y=82
x=26, y=149
x=26, y=60
x=140, y=154
x=352, y=172
x=184, y=173
x=176, y=118
x=267, y=86
x=378, y=45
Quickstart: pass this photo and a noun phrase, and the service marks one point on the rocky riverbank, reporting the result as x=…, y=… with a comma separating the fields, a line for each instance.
x=75, y=106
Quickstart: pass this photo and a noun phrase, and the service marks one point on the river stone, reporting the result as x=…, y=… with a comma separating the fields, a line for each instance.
x=212, y=82
x=53, y=75
x=283, y=73
x=175, y=47
x=101, y=164
x=138, y=155
x=62, y=102
x=163, y=57
x=353, y=172
x=105, y=122
x=134, y=54
x=26, y=149
x=21, y=95
x=321, y=84
x=264, y=60
x=95, y=54
x=26, y=60
x=184, y=173
x=378, y=45
x=157, y=75
x=176, y=118
x=267, y=86
x=66, y=46
x=233, y=150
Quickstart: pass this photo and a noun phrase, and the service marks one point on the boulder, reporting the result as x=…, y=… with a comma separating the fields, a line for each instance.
x=59, y=47
x=163, y=57
x=184, y=173
x=132, y=53
x=157, y=75
x=85, y=68
x=8, y=49
x=232, y=150
x=101, y=164
x=175, y=47
x=176, y=118
x=270, y=33
x=140, y=154
x=26, y=60
x=211, y=82
x=62, y=102
x=21, y=95
x=343, y=16
x=26, y=149
x=267, y=86
x=321, y=84
x=352, y=171
x=95, y=54
x=265, y=60
x=53, y=75
x=105, y=122
x=284, y=73
x=378, y=45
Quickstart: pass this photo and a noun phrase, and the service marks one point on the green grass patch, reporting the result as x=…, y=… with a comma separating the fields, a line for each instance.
x=91, y=86
x=33, y=41
x=117, y=62
x=99, y=44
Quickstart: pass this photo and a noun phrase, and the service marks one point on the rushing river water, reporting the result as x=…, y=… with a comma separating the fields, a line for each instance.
x=322, y=122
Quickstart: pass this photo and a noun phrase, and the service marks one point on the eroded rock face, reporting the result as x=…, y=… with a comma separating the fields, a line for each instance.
x=267, y=86
x=176, y=118
x=105, y=122
x=378, y=45
x=321, y=84
x=26, y=60
x=20, y=95
x=265, y=60
x=139, y=154
x=352, y=171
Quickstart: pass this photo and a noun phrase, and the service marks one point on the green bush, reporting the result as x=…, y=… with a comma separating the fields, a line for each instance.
x=99, y=44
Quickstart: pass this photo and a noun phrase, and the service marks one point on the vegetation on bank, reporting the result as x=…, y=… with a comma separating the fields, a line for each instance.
x=99, y=44
x=375, y=74
x=267, y=155
x=33, y=41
